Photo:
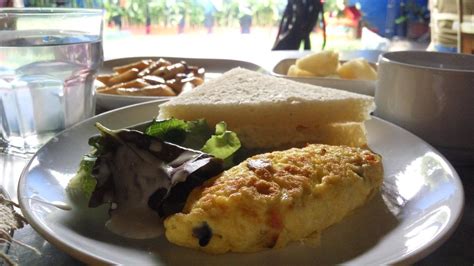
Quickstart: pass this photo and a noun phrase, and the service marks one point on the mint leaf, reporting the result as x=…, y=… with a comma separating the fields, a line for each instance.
x=172, y=130
x=196, y=135
x=198, y=132
x=223, y=144
x=190, y=134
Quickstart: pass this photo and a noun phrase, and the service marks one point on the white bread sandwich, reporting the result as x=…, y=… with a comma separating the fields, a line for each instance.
x=271, y=112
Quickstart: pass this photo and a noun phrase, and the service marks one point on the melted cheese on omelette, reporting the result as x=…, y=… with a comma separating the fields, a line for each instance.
x=274, y=198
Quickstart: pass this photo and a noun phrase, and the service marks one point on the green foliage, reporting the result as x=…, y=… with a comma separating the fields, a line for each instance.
x=411, y=11
x=66, y=3
x=331, y=6
x=195, y=13
x=135, y=11
x=171, y=12
x=266, y=12
x=227, y=15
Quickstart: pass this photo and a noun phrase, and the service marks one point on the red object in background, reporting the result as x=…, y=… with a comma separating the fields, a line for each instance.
x=6, y=3
x=355, y=16
x=351, y=12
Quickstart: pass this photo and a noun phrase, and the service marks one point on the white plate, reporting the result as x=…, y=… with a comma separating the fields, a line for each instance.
x=418, y=208
x=366, y=87
x=213, y=67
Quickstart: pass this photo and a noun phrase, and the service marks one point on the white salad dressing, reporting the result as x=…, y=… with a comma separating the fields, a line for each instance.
x=135, y=223
x=136, y=178
x=142, y=178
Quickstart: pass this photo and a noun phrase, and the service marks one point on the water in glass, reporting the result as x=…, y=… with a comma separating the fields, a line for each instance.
x=45, y=84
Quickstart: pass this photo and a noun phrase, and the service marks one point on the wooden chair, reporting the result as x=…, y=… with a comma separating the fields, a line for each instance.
x=465, y=31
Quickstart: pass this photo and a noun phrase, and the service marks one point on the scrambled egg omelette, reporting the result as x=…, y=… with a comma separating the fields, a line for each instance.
x=274, y=198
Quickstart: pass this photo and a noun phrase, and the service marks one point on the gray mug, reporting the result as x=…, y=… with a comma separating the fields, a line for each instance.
x=430, y=94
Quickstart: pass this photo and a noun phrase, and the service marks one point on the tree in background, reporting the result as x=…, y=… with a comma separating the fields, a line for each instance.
x=194, y=13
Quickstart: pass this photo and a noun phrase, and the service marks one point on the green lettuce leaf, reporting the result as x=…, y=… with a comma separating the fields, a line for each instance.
x=223, y=144
x=83, y=181
x=197, y=135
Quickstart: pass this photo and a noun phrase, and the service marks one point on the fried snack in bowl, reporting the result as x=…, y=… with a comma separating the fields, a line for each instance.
x=153, y=66
x=151, y=78
x=151, y=90
x=140, y=65
x=128, y=75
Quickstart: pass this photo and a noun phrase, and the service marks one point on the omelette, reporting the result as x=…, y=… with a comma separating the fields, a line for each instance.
x=272, y=199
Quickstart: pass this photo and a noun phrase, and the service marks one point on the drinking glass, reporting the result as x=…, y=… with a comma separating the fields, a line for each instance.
x=48, y=61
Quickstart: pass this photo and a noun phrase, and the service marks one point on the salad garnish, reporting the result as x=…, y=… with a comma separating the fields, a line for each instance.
x=155, y=168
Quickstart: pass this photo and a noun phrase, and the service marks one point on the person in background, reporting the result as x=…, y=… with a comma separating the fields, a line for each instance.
x=6, y=3
x=11, y=3
x=147, y=20
x=298, y=21
x=245, y=19
x=117, y=13
x=181, y=23
x=209, y=10
x=182, y=17
x=117, y=19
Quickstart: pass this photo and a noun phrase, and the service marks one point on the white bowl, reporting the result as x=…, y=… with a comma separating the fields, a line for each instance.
x=432, y=95
x=366, y=87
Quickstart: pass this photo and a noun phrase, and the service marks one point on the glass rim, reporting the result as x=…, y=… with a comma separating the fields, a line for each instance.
x=51, y=11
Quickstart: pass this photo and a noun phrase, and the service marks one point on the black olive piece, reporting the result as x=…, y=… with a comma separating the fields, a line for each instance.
x=203, y=233
x=156, y=198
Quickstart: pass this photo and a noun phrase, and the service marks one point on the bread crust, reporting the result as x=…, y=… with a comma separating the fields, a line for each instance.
x=243, y=97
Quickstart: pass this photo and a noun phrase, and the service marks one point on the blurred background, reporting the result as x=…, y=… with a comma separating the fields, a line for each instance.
x=220, y=27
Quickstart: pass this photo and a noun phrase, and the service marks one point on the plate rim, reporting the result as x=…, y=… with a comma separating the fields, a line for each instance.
x=85, y=256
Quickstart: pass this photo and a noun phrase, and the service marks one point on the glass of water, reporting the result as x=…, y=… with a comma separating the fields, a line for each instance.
x=48, y=61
